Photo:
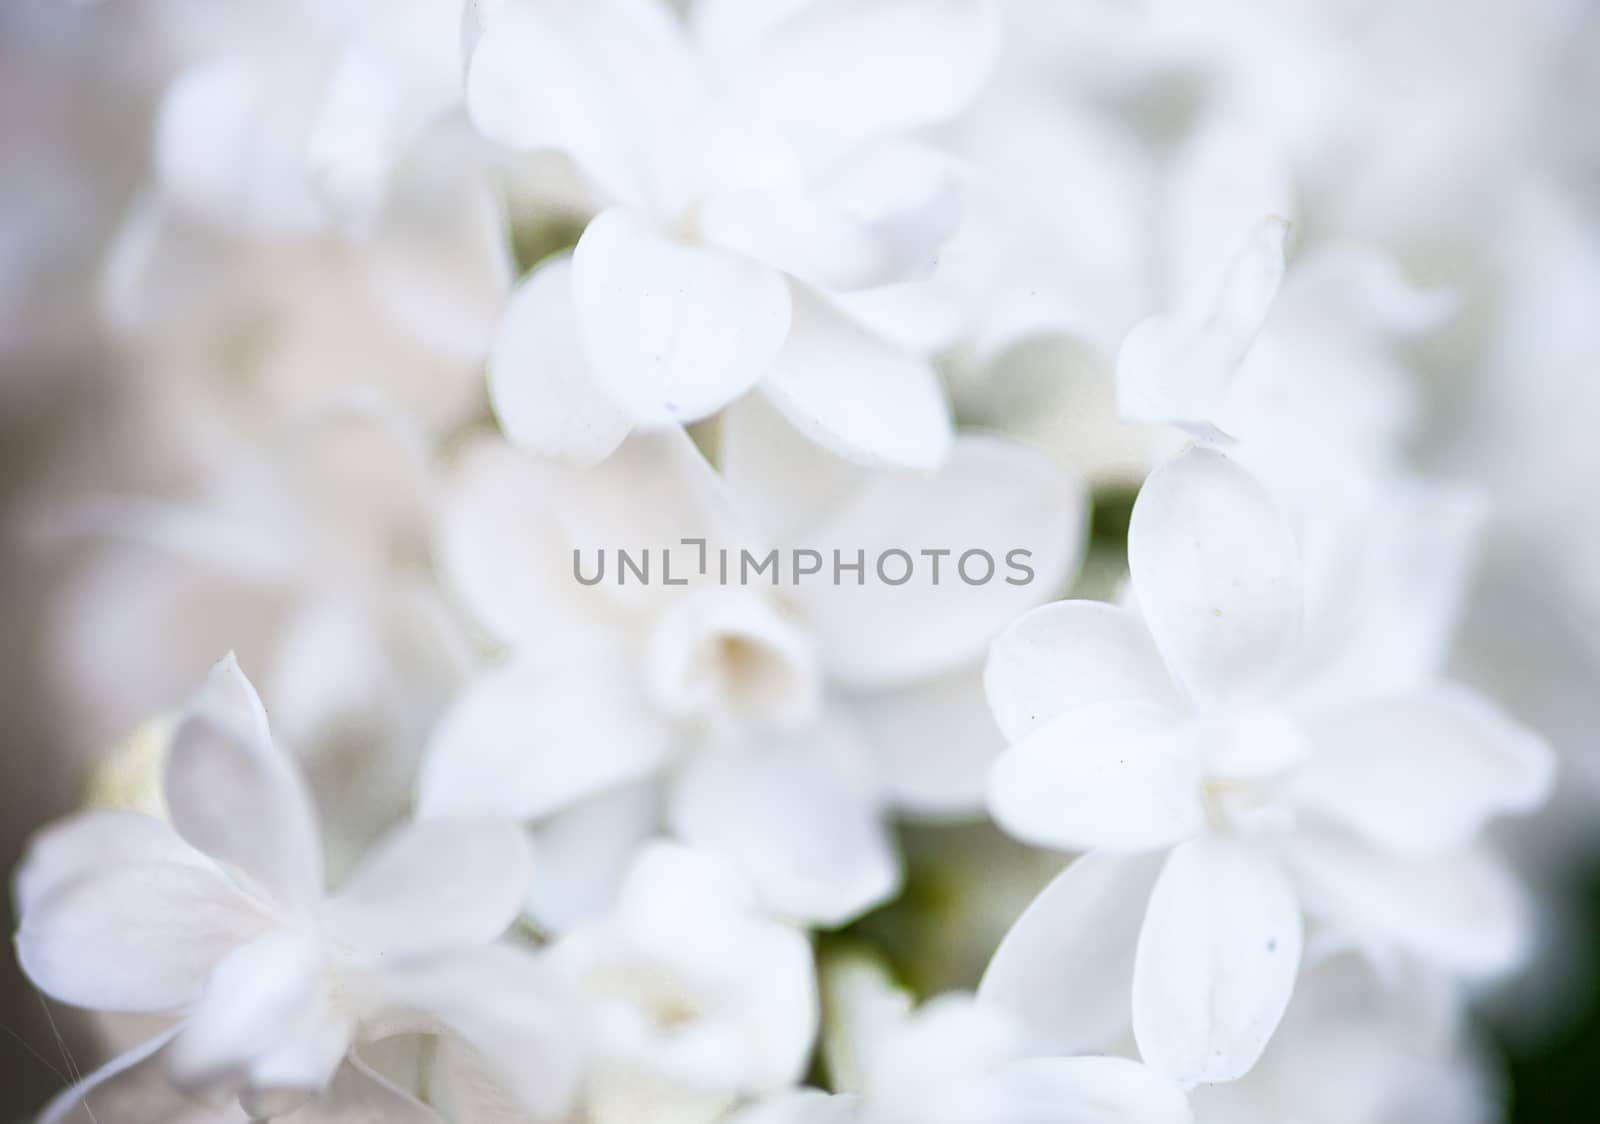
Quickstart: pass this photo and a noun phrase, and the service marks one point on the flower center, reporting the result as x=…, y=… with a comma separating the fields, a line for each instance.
x=734, y=660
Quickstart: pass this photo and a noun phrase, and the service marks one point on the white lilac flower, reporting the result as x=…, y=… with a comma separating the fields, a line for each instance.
x=749, y=168
x=955, y=1060
x=1299, y=369
x=1232, y=762
x=262, y=326
x=303, y=544
x=220, y=922
x=289, y=120
x=693, y=998
x=777, y=719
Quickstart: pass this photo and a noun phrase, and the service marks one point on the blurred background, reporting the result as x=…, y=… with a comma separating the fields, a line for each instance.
x=1486, y=175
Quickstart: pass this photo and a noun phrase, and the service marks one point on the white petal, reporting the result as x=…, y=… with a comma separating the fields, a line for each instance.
x=1092, y=1090
x=691, y=922
x=508, y=1009
x=90, y=842
x=1361, y=288
x=521, y=743
x=674, y=332
x=1383, y=606
x=266, y=1021
x=1120, y=775
x=1171, y=369
x=438, y=264
x=1465, y=912
x=236, y=796
x=880, y=221
x=1216, y=963
x=934, y=742
x=432, y=886
x=858, y=395
x=504, y=551
x=543, y=390
x=1068, y=654
x=837, y=72
x=783, y=483
x=584, y=852
x=1066, y=965
x=1216, y=573
x=134, y=937
x=360, y=1096
x=604, y=82
x=230, y=147
x=1225, y=178
x=1421, y=773
x=133, y=1088
x=797, y=818
x=1011, y=526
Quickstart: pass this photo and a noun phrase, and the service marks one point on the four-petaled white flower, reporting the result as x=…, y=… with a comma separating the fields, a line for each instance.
x=749, y=180
x=220, y=922
x=776, y=719
x=694, y=999
x=1227, y=775
x=956, y=1060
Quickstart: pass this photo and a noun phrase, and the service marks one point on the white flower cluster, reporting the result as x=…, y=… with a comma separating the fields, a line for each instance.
x=1097, y=410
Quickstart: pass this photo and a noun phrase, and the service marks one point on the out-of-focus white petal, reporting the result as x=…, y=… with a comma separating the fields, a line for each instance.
x=879, y=222
x=934, y=742
x=1216, y=963
x=540, y=381
x=91, y=842
x=438, y=263
x=858, y=395
x=1226, y=176
x=797, y=816
x=135, y=937
x=604, y=82
x=783, y=484
x=1011, y=528
x=352, y=143
x=434, y=885
x=674, y=332
x=1465, y=912
x=1068, y=654
x=1065, y=968
x=1360, y=288
x=230, y=147
x=521, y=743
x=1216, y=573
x=834, y=73
x=134, y=1087
x=1091, y=1090
x=1172, y=369
x=506, y=553
x=1421, y=773
x=689, y=941
x=1125, y=776
x=266, y=1022
x=1382, y=606
x=236, y=796
x=508, y=1009
x=584, y=851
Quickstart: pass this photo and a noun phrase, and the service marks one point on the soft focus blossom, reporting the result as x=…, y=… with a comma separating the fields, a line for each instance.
x=777, y=718
x=220, y=921
x=745, y=165
x=1195, y=727
x=702, y=487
